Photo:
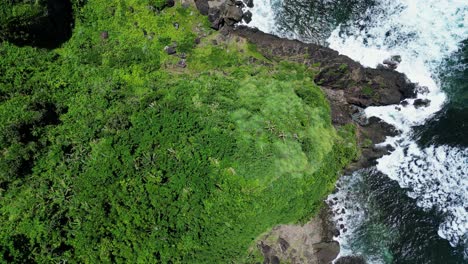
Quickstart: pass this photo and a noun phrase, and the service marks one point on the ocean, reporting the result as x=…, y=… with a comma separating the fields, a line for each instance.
x=412, y=207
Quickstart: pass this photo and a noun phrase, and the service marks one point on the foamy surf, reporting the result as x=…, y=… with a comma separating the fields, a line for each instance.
x=423, y=33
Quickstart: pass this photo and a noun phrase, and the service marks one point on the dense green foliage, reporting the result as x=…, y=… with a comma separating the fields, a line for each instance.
x=109, y=152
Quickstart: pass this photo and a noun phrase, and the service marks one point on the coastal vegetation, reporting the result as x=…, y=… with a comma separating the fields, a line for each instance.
x=148, y=137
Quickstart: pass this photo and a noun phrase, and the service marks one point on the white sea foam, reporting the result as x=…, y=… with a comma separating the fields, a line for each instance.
x=423, y=33
x=436, y=177
x=351, y=208
x=263, y=15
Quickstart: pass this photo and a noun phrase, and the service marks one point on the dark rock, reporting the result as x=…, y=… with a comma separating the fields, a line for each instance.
x=336, y=233
x=170, y=50
x=170, y=3
x=249, y=3
x=182, y=63
x=217, y=24
x=233, y=14
x=176, y=25
x=404, y=103
x=380, y=66
x=396, y=58
x=359, y=116
x=48, y=26
x=422, y=89
x=274, y=260
x=247, y=17
x=418, y=103
x=326, y=251
x=239, y=3
x=341, y=226
x=390, y=64
x=202, y=6
x=197, y=41
x=214, y=14
x=351, y=260
x=104, y=35
x=284, y=245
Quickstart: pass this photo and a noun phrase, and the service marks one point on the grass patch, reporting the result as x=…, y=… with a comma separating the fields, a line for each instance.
x=111, y=153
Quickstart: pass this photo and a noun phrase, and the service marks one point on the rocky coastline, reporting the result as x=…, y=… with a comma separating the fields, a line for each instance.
x=350, y=88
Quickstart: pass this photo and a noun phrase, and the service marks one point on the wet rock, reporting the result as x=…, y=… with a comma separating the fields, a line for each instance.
x=351, y=260
x=249, y=3
x=359, y=116
x=396, y=58
x=341, y=226
x=418, y=103
x=239, y=3
x=247, y=17
x=404, y=103
x=104, y=35
x=170, y=50
x=422, y=89
x=390, y=64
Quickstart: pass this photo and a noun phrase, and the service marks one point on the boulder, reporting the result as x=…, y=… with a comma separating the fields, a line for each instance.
x=182, y=63
x=202, y=6
x=351, y=260
x=392, y=62
x=240, y=4
x=170, y=50
x=247, y=17
x=233, y=14
x=249, y=3
x=418, y=103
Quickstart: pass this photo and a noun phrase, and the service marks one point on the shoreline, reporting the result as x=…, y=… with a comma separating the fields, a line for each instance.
x=349, y=88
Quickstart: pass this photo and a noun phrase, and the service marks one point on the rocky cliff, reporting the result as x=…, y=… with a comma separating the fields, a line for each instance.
x=350, y=88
